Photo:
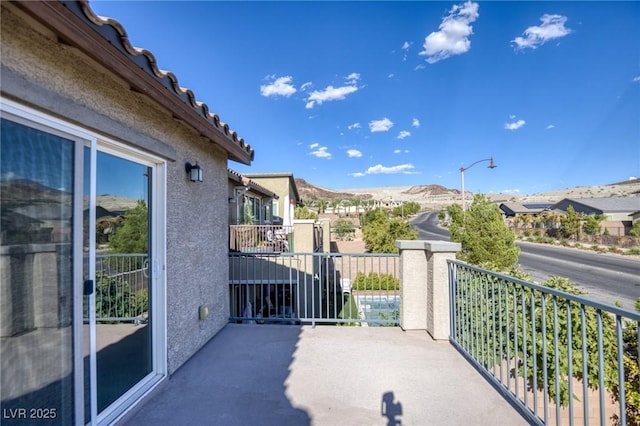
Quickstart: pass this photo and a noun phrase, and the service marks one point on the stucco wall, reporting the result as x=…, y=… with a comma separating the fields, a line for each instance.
x=59, y=80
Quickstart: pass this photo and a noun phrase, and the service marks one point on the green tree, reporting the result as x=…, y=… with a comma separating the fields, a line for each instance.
x=304, y=213
x=406, y=209
x=592, y=224
x=132, y=235
x=570, y=223
x=344, y=229
x=380, y=232
x=635, y=229
x=486, y=240
x=322, y=206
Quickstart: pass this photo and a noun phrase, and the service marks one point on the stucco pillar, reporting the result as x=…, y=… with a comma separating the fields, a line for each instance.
x=424, y=285
x=326, y=235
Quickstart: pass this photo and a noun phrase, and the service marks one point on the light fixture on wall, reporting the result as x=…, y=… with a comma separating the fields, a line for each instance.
x=194, y=171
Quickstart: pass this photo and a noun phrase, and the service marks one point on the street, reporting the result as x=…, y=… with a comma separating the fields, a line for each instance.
x=607, y=278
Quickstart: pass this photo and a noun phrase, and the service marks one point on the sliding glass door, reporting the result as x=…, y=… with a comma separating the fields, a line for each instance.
x=81, y=244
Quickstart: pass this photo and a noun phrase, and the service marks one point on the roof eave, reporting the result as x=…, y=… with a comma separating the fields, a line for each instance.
x=74, y=31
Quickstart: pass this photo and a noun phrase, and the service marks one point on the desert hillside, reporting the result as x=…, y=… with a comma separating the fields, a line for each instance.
x=437, y=196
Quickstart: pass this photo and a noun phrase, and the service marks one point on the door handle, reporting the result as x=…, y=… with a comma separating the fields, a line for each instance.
x=88, y=287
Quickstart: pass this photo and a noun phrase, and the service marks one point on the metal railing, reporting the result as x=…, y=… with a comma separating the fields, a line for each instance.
x=559, y=357
x=333, y=288
x=121, y=288
x=259, y=238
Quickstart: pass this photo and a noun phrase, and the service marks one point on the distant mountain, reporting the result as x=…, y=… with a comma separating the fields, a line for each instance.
x=308, y=191
x=431, y=190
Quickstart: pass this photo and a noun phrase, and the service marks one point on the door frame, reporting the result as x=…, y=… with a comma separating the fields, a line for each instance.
x=84, y=137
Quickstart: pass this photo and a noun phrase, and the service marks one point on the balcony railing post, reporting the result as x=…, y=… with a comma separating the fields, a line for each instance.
x=424, y=285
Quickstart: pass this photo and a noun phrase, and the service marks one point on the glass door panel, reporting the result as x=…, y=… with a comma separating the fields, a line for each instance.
x=37, y=275
x=122, y=276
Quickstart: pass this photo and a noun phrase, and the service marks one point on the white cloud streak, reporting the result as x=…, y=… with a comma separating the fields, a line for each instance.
x=353, y=126
x=380, y=125
x=280, y=86
x=552, y=27
x=403, y=134
x=453, y=37
x=331, y=93
x=415, y=123
x=380, y=169
x=321, y=152
x=514, y=125
x=354, y=153
x=636, y=79
x=550, y=126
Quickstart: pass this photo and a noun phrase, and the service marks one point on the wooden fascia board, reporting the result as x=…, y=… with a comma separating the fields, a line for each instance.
x=76, y=33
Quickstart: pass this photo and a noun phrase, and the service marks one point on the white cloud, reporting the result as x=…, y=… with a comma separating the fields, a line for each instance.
x=514, y=125
x=399, y=151
x=550, y=126
x=406, y=45
x=391, y=75
x=510, y=191
x=305, y=86
x=321, y=152
x=353, y=78
x=512, y=116
x=404, y=134
x=354, y=153
x=380, y=125
x=280, y=86
x=353, y=126
x=453, y=37
x=419, y=67
x=329, y=94
x=415, y=123
x=552, y=27
x=380, y=169
x=636, y=79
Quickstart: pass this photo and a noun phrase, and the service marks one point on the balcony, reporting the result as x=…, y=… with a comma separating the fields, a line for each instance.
x=474, y=347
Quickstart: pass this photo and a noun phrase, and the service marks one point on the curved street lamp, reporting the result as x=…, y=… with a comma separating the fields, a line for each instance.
x=491, y=165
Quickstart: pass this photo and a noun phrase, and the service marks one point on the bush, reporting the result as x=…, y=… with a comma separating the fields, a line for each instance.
x=344, y=229
x=375, y=281
x=380, y=232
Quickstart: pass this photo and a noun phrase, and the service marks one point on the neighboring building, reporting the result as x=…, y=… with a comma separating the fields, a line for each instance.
x=84, y=114
x=284, y=185
x=513, y=209
x=249, y=202
x=616, y=210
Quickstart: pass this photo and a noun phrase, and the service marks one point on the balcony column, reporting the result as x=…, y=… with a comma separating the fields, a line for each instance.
x=424, y=285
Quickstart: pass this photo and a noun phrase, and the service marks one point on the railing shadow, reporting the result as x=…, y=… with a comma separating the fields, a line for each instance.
x=391, y=409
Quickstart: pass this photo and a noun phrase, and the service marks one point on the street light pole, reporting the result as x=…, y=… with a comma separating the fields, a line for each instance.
x=491, y=165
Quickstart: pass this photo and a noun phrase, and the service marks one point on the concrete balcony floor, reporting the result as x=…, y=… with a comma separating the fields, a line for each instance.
x=301, y=375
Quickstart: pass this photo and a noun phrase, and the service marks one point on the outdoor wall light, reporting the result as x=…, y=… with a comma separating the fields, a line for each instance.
x=194, y=171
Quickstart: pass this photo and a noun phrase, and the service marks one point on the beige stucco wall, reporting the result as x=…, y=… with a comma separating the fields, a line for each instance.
x=279, y=185
x=58, y=79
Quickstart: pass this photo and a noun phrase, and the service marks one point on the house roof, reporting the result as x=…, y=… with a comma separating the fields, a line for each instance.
x=105, y=41
x=524, y=208
x=245, y=181
x=608, y=204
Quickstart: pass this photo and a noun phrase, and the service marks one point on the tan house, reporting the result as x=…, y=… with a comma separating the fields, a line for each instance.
x=249, y=202
x=88, y=122
x=284, y=185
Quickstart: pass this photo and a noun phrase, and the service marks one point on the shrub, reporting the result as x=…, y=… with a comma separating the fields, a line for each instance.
x=344, y=229
x=375, y=281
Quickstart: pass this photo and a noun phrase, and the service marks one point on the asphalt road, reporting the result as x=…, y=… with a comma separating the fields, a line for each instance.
x=607, y=278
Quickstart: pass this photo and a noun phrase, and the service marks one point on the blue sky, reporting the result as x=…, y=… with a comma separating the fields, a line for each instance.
x=365, y=94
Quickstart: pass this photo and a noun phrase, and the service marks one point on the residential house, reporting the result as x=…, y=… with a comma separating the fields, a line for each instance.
x=284, y=185
x=249, y=202
x=616, y=210
x=85, y=114
x=513, y=209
